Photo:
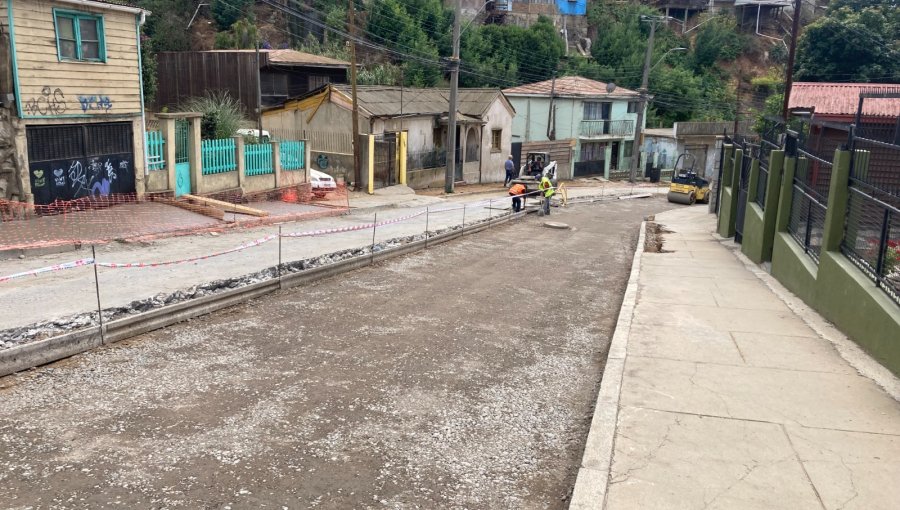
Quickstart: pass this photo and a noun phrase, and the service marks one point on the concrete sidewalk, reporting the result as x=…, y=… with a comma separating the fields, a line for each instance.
x=724, y=391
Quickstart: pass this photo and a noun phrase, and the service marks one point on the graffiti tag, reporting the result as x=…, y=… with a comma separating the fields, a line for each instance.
x=95, y=103
x=59, y=177
x=50, y=102
x=77, y=177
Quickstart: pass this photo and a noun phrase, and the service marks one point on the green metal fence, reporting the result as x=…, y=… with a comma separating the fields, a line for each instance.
x=293, y=155
x=218, y=156
x=258, y=159
x=182, y=149
x=156, y=154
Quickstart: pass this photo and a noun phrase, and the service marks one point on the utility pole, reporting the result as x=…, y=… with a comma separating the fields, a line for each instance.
x=357, y=166
x=789, y=72
x=638, y=128
x=551, y=118
x=454, y=90
x=259, y=134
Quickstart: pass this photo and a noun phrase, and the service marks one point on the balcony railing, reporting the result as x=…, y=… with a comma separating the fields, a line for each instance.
x=606, y=128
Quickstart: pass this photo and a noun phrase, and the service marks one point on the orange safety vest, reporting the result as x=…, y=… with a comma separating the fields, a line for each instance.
x=518, y=189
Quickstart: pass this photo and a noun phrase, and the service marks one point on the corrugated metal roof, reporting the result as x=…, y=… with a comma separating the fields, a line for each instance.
x=569, y=86
x=384, y=101
x=843, y=98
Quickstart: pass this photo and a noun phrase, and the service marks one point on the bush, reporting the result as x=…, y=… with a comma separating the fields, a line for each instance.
x=222, y=114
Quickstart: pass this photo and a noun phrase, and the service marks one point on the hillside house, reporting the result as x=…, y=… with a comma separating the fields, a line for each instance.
x=282, y=74
x=71, y=121
x=838, y=103
x=484, y=125
x=597, y=118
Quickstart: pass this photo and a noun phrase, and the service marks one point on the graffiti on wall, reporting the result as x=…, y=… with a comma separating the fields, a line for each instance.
x=78, y=178
x=50, y=102
x=95, y=103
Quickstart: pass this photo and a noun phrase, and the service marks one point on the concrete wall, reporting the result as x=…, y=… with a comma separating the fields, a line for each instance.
x=255, y=183
x=420, y=129
x=340, y=166
x=664, y=148
x=157, y=180
x=213, y=183
x=492, y=158
x=422, y=178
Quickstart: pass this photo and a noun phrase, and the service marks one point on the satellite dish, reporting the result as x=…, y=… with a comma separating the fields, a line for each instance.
x=610, y=87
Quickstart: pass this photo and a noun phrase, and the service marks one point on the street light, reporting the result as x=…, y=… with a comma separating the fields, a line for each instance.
x=666, y=54
x=635, y=150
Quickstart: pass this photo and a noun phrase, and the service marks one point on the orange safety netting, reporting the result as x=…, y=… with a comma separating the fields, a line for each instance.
x=127, y=217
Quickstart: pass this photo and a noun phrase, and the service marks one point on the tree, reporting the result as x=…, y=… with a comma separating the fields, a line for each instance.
x=391, y=24
x=502, y=55
x=857, y=40
x=718, y=39
x=242, y=36
x=227, y=12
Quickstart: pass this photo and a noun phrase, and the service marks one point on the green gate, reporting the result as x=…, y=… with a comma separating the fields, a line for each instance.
x=182, y=158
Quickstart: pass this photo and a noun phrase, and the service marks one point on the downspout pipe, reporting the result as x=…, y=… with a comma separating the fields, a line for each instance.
x=15, y=65
x=140, y=19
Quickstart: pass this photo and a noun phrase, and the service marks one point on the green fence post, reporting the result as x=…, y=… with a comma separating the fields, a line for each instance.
x=754, y=181
x=786, y=195
x=735, y=183
x=772, y=191
x=838, y=198
x=725, y=217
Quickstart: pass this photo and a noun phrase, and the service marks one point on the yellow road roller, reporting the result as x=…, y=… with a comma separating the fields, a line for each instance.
x=687, y=187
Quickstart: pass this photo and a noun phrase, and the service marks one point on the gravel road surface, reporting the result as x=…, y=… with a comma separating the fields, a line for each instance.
x=463, y=376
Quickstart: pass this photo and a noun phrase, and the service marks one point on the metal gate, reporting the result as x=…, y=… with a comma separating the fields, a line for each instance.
x=66, y=162
x=721, y=170
x=182, y=158
x=386, y=168
x=743, y=191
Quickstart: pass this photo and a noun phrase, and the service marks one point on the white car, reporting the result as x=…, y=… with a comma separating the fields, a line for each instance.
x=321, y=181
x=255, y=133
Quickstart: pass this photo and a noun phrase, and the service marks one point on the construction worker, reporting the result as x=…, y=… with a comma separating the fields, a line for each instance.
x=537, y=167
x=548, y=191
x=517, y=191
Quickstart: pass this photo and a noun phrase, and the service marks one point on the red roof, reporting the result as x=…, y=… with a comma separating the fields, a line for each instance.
x=569, y=86
x=843, y=98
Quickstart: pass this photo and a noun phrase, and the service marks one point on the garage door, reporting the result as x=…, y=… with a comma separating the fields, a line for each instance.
x=66, y=162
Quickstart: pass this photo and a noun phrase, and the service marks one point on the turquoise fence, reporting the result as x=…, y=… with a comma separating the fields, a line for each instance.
x=258, y=159
x=293, y=155
x=156, y=155
x=218, y=156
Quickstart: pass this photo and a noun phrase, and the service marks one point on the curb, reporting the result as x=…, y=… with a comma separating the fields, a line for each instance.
x=41, y=352
x=592, y=481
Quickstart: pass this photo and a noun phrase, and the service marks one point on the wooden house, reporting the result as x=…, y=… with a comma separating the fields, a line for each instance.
x=71, y=121
x=269, y=78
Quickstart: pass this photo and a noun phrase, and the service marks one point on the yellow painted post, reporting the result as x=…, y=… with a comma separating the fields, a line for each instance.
x=371, y=164
x=403, y=135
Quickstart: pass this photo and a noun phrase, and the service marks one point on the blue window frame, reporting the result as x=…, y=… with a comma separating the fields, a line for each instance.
x=79, y=36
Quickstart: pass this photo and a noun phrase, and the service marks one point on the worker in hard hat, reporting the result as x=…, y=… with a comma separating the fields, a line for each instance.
x=547, y=191
x=517, y=192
